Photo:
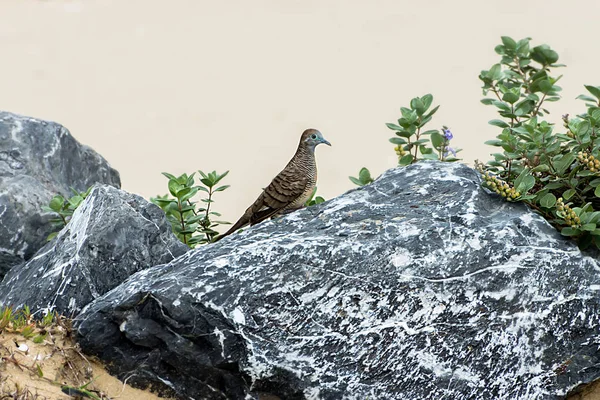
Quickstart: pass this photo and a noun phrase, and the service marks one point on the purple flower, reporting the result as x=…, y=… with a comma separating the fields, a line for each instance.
x=447, y=134
x=449, y=150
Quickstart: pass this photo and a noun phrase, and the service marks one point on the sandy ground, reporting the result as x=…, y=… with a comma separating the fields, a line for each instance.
x=60, y=364
x=196, y=84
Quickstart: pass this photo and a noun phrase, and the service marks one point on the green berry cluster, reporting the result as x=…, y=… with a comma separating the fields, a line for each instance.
x=500, y=187
x=400, y=151
x=589, y=161
x=566, y=213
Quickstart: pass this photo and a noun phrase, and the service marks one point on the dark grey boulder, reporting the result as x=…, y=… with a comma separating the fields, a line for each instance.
x=112, y=235
x=418, y=286
x=39, y=159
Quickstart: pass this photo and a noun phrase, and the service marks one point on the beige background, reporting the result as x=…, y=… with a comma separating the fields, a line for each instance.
x=182, y=85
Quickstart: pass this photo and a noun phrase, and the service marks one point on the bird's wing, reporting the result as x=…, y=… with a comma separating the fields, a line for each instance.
x=281, y=192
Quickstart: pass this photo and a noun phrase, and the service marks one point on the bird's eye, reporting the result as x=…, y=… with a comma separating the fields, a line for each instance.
x=313, y=136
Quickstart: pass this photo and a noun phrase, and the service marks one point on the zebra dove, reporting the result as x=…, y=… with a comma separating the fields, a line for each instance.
x=290, y=189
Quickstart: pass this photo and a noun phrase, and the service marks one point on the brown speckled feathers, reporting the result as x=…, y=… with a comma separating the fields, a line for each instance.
x=290, y=189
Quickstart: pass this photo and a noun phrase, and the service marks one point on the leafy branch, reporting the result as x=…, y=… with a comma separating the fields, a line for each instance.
x=192, y=225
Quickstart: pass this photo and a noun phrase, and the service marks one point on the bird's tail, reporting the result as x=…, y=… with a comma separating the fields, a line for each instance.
x=243, y=221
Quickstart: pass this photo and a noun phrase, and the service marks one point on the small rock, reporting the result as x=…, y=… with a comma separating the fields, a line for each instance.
x=39, y=160
x=112, y=235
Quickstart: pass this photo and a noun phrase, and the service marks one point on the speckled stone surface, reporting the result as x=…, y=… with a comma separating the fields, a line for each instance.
x=112, y=235
x=420, y=285
x=39, y=159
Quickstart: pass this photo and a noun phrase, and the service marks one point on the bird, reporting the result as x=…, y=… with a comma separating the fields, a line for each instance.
x=290, y=189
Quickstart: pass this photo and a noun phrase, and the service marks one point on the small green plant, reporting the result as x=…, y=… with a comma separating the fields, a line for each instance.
x=192, y=225
x=39, y=338
x=557, y=174
x=64, y=208
x=364, y=177
x=314, y=200
x=49, y=319
x=413, y=142
x=28, y=331
x=6, y=317
x=21, y=321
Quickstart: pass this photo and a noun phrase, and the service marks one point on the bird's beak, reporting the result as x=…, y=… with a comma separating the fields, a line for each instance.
x=326, y=142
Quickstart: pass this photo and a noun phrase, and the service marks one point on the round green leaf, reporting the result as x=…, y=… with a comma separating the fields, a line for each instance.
x=568, y=194
x=174, y=187
x=548, y=200
x=406, y=160
x=541, y=168
x=568, y=231
x=397, y=141
x=75, y=201
x=589, y=227
x=510, y=97
x=509, y=42
x=56, y=203
x=498, y=123
x=437, y=139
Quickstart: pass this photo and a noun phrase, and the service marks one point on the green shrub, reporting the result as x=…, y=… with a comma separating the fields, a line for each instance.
x=413, y=142
x=556, y=173
x=192, y=225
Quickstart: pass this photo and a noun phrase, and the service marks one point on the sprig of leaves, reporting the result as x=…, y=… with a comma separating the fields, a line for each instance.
x=412, y=139
x=190, y=224
x=210, y=187
x=64, y=209
x=313, y=199
x=520, y=83
x=413, y=142
x=364, y=177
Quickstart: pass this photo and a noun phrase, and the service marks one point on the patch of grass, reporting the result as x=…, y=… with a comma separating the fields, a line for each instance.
x=21, y=321
x=73, y=377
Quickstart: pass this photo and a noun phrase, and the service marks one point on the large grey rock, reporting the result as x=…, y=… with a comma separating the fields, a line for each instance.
x=112, y=235
x=39, y=159
x=418, y=286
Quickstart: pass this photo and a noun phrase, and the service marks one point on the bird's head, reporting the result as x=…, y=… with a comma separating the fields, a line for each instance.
x=312, y=137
